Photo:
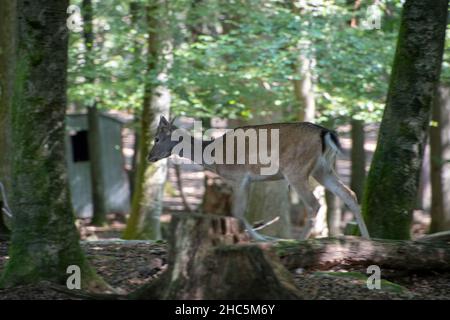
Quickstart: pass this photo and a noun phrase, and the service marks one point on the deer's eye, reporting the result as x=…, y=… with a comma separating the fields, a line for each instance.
x=156, y=140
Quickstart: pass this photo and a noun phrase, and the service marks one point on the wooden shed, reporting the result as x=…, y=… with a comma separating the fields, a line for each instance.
x=116, y=184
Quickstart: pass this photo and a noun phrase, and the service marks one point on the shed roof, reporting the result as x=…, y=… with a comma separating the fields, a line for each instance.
x=114, y=117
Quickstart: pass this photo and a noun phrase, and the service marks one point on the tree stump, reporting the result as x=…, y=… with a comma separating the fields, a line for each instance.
x=218, y=196
x=210, y=258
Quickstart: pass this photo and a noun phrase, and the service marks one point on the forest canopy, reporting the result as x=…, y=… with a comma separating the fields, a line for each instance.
x=235, y=58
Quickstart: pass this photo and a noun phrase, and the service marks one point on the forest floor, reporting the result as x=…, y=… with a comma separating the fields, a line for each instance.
x=126, y=265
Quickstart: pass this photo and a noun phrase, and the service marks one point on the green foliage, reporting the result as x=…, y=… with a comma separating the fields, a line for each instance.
x=249, y=67
x=118, y=58
x=445, y=75
x=235, y=58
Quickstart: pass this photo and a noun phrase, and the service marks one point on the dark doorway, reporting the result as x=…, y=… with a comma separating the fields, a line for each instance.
x=80, y=148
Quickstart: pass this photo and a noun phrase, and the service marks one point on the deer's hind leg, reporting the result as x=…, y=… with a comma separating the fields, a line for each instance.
x=312, y=206
x=328, y=178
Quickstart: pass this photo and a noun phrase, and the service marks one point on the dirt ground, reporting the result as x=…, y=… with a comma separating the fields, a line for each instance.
x=126, y=265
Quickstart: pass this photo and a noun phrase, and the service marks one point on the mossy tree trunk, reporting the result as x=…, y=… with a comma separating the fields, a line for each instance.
x=7, y=51
x=44, y=239
x=392, y=182
x=440, y=168
x=144, y=221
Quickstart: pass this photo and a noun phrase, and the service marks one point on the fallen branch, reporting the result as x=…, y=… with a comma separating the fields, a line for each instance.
x=5, y=208
x=443, y=236
x=265, y=224
x=180, y=188
x=325, y=253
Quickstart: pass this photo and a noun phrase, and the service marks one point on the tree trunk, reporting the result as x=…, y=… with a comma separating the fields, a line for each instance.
x=218, y=197
x=303, y=77
x=44, y=239
x=144, y=221
x=209, y=259
x=94, y=141
x=358, y=158
x=95, y=159
x=423, y=201
x=186, y=206
x=268, y=200
x=329, y=253
x=7, y=54
x=392, y=182
x=304, y=87
x=135, y=160
x=5, y=233
x=305, y=98
x=334, y=214
x=358, y=154
x=334, y=210
x=440, y=170
x=356, y=6
x=136, y=14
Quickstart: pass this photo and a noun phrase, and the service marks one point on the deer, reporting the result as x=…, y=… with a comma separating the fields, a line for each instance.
x=305, y=150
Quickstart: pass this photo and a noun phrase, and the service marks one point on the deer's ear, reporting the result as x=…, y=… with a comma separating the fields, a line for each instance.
x=172, y=121
x=163, y=121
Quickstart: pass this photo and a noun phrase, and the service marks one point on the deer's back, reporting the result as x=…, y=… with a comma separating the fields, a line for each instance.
x=299, y=145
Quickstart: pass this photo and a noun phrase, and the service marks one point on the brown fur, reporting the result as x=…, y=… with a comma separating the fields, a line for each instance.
x=305, y=150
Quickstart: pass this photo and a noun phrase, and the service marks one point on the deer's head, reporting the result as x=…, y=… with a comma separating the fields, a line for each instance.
x=163, y=144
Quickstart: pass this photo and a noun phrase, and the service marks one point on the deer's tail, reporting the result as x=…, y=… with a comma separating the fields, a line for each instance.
x=331, y=147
